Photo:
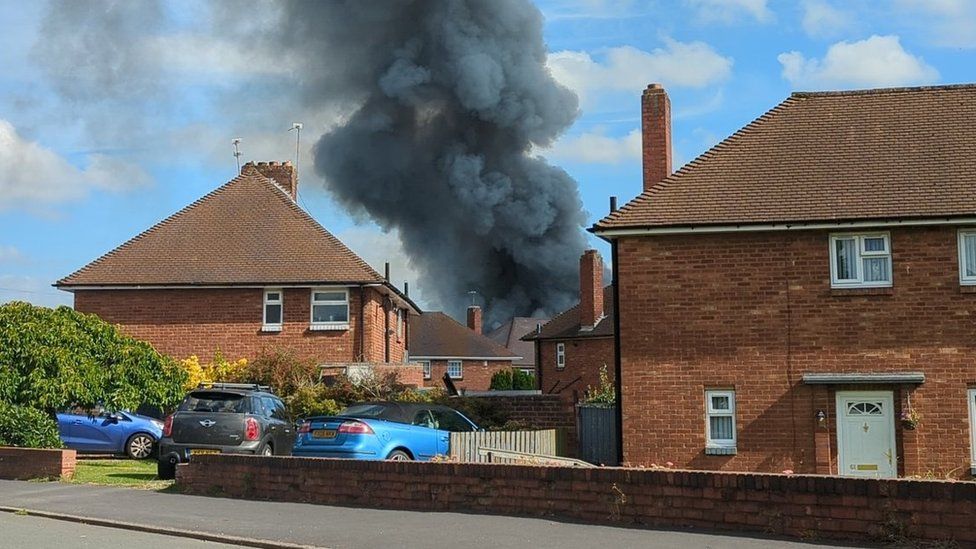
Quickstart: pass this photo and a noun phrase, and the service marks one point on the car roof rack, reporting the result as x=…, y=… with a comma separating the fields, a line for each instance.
x=219, y=385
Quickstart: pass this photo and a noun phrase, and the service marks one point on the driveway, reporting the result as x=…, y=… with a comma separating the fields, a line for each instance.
x=348, y=528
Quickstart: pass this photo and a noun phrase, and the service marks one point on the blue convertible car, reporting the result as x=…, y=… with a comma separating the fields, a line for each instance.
x=102, y=432
x=382, y=430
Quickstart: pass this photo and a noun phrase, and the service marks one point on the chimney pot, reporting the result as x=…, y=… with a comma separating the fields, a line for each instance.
x=474, y=319
x=613, y=204
x=591, y=289
x=386, y=268
x=656, y=134
x=282, y=173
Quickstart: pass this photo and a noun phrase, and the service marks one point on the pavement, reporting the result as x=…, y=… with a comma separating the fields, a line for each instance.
x=274, y=524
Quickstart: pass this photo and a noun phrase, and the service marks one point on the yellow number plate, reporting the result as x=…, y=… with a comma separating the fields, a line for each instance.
x=324, y=433
x=203, y=451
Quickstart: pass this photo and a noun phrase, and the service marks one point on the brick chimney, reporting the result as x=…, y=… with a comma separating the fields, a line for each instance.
x=474, y=318
x=283, y=173
x=656, y=134
x=591, y=289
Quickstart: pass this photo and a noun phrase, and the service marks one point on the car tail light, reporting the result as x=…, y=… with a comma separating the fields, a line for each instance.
x=168, y=426
x=355, y=428
x=305, y=427
x=251, y=429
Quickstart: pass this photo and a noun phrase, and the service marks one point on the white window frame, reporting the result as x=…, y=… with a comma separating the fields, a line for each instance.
x=971, y=393
x=862, y=254
x=711, y=412
x=560, y=356
x=272, y=326
x=963, y=279
x=399, y=324
x=328, y=325
x=460, y=369
x=425, y=364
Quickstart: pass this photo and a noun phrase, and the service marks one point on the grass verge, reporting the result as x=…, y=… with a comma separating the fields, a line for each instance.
x=128, y=473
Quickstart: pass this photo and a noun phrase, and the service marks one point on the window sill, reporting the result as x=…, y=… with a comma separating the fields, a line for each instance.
x=271, y=328
x=328, y=327
x=457, y=379
x=967, y=289
x=720, y=450
x=846, y=292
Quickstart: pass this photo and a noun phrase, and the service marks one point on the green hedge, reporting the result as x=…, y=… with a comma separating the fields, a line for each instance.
x=27, y=427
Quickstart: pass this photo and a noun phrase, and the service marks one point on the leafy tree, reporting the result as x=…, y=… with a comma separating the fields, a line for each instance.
x=27, y=427
x=501, y=380
x=218, y=369
x=53, y=358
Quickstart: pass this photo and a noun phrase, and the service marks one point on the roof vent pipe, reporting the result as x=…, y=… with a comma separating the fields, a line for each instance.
x=387, y=271
x=613, y=204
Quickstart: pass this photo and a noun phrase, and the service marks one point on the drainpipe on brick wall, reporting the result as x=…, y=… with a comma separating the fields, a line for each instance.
x=538, y=364
x=362, y=324
x=386, y=330
x=617, y=384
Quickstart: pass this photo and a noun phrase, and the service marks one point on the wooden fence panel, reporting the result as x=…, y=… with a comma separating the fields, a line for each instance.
x=464, y=446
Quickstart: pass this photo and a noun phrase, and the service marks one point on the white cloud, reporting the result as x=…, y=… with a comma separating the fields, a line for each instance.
x=730, y=11
x=31, y=174
x=947, y=23
x=821, y=19
x=10, y=254
x=32, y=290
x=878, y=61
x=628, y=69
x=596, y=148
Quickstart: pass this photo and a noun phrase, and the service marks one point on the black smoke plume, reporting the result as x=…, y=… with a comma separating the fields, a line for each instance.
x=452, y=97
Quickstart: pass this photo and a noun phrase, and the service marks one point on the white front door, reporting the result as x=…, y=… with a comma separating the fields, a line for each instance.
x=866, y=434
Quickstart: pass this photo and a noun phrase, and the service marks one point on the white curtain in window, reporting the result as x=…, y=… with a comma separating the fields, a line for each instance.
x=846, y=259
x=721, y=427
x=969, y=249
x=876, y=269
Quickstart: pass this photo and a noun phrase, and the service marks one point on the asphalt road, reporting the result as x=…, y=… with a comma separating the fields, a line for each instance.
x=41, y=533
x=342, y=527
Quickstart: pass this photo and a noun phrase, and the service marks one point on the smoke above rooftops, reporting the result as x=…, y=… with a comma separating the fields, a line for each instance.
x=440, y=102
x=451, y=97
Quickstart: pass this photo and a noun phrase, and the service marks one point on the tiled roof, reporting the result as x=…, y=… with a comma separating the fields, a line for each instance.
x=248, y=231
x=434, y=334
x=510, y=335
x=566, y=325
x=827, y=157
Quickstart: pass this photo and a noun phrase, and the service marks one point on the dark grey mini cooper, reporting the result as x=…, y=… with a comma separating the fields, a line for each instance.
x=229, y=418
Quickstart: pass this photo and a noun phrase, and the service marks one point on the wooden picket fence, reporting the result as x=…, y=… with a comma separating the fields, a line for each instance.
x=465, y=446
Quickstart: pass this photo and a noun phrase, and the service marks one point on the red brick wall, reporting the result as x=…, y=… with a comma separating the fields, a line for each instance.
x=808, y=507
x=755, y=311
x=188, y=322
x=477, y=373
x=28, y=463
x=584, y=358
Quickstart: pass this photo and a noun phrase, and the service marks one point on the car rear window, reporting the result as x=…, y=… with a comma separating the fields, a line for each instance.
x=378, y=411
x=209, y=401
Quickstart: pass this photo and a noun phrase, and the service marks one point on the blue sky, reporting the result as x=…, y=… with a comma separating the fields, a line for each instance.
x=84, y=166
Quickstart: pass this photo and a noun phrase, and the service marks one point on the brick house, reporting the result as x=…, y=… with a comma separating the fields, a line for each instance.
x=578, y=342
x=443, y=345
x=792, y=294
x=510, y=335
x=246, y=270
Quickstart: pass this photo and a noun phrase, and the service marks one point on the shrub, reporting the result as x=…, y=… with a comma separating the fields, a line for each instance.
x=522, y=381
x=27, y=427
x=501, y=380
x=284, y=372
x=218, y=369
x=604, y=394
x=53, y=358
x=311, y=400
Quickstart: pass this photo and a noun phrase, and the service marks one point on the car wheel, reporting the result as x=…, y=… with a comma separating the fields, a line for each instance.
x=165, y=470
x=266, y=450
x=399, y=455
x=139, y=446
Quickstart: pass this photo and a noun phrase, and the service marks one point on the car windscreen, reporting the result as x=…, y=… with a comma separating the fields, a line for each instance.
x=209, y=401
x=375, y=411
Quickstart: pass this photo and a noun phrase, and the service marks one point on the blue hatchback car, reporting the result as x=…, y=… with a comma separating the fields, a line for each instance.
x=103, y=432
x=382, y=430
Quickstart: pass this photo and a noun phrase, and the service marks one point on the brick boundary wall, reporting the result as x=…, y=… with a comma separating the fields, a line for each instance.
x=803, y=506
x=541, y=412
x=30, y=463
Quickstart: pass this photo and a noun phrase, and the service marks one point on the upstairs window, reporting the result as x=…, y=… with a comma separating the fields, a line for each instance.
x=560, y=356
x=719, y=420
x=273, y=310
x=455, y=369
x=967, y=257
x=330, y=309
x=399, y=324
x=860, y=260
